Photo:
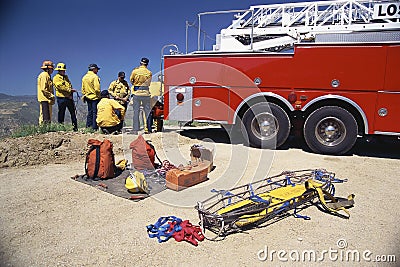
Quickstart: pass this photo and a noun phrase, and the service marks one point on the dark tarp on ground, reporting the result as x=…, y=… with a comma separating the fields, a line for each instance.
x=116, y=186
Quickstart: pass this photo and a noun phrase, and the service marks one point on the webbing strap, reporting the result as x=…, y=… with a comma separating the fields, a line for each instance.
x=269, y=181
x=283, y=207
x=161, y=229
x=97, y=164
x=288, y=181
x=255, y=198
x=258, y=199
x=319, y=174
x=159, y=160
x=342, y=202
x=296, y=215
x=155, y=153
x=224, y=193
x=188, y=232
x=321, y=196
x=330, y=187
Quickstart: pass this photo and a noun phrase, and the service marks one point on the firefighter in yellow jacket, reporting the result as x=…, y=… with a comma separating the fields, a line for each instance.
x=91, y=94
x=107, y=118
x=141, y=79
x=119, y=90
x=64, y=94
x=45, y=93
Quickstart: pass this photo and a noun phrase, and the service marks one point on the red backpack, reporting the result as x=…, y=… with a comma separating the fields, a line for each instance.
x=143, y=154
x=100, y=160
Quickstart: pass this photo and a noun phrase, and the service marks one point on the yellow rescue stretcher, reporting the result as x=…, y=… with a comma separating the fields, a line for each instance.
x=270, y=198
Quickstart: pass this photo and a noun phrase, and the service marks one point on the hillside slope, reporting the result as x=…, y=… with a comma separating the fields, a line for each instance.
x=16, y=111
x=52, y=147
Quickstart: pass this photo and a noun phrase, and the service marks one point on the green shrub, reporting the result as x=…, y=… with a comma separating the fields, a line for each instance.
x=27, y=130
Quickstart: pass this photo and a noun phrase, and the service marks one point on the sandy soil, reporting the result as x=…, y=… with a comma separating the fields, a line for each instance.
x=48, y=219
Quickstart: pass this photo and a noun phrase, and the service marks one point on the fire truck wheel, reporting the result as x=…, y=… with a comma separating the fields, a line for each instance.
x=330, y=130
x=266, y=125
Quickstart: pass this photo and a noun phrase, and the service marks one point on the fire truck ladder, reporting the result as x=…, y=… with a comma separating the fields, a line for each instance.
x=278, y=26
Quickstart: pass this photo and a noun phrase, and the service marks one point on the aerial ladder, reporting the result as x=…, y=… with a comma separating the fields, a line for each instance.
x=276, y=27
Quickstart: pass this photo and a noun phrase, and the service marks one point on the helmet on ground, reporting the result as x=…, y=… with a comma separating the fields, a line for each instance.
x=93, y=66
x=47, y=64
x=61, y=66
x=144, y=61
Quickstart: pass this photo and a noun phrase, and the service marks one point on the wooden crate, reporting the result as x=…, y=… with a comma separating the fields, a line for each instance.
x=180, y=179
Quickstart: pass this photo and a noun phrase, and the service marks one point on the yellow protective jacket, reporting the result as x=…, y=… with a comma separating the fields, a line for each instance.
x=141, y=76
x=119, y=89
x=91, y=85
x=63, y=85
x=45, y=88
x=106, y=116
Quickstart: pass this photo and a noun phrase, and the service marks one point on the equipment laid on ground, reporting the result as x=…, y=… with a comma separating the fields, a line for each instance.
x=143, y=154
x=311, y=67
x=117, y=186
x=187, y=176
x=199, y=153
x=136, y=183
x=100, y=162
x=270, y=199
x=171, y=226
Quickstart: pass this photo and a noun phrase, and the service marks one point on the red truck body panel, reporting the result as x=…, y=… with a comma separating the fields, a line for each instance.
x=367, y=77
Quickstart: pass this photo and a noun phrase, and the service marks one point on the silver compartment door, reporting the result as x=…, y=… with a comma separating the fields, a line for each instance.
x=180, y=111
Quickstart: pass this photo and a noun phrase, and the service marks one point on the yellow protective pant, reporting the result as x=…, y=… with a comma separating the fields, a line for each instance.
x=45, y=112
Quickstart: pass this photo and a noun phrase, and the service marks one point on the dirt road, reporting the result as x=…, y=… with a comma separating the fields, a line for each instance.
x=48, y=219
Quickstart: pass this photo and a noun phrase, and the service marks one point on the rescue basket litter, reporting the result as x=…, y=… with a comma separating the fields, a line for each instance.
x=270, y=199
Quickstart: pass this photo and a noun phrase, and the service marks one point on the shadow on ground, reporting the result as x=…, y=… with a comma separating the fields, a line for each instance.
x=379, y=147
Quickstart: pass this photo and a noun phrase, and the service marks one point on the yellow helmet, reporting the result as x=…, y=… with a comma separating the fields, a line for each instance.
x=61, y=66
x=47, y=64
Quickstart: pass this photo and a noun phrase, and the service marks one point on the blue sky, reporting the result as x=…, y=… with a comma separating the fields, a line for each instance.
x=113, y=34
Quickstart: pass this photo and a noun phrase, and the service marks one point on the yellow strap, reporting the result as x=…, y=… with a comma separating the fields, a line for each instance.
x=321, y=195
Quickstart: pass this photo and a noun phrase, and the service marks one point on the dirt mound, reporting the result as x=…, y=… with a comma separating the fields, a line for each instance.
x=54, y=147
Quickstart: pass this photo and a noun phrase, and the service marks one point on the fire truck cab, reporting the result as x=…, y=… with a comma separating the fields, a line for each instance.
x=327, y=69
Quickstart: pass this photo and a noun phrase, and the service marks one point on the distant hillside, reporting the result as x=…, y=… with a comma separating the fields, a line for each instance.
x=20, y=98
x=16, y=111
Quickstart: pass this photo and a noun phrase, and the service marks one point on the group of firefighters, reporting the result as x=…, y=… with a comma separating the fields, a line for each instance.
x=107, y=108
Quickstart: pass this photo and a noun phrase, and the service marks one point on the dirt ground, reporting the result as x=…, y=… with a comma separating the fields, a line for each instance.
x=48, y=219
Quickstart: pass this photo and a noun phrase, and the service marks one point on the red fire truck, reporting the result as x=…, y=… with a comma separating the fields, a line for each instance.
x=329, y=69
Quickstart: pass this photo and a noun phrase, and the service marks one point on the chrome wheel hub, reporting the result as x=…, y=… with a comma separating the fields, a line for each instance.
x=330, y=131
x=264, y=126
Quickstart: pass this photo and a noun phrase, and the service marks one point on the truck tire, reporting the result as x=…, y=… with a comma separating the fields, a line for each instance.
x=330, y=130
x=266, y=125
